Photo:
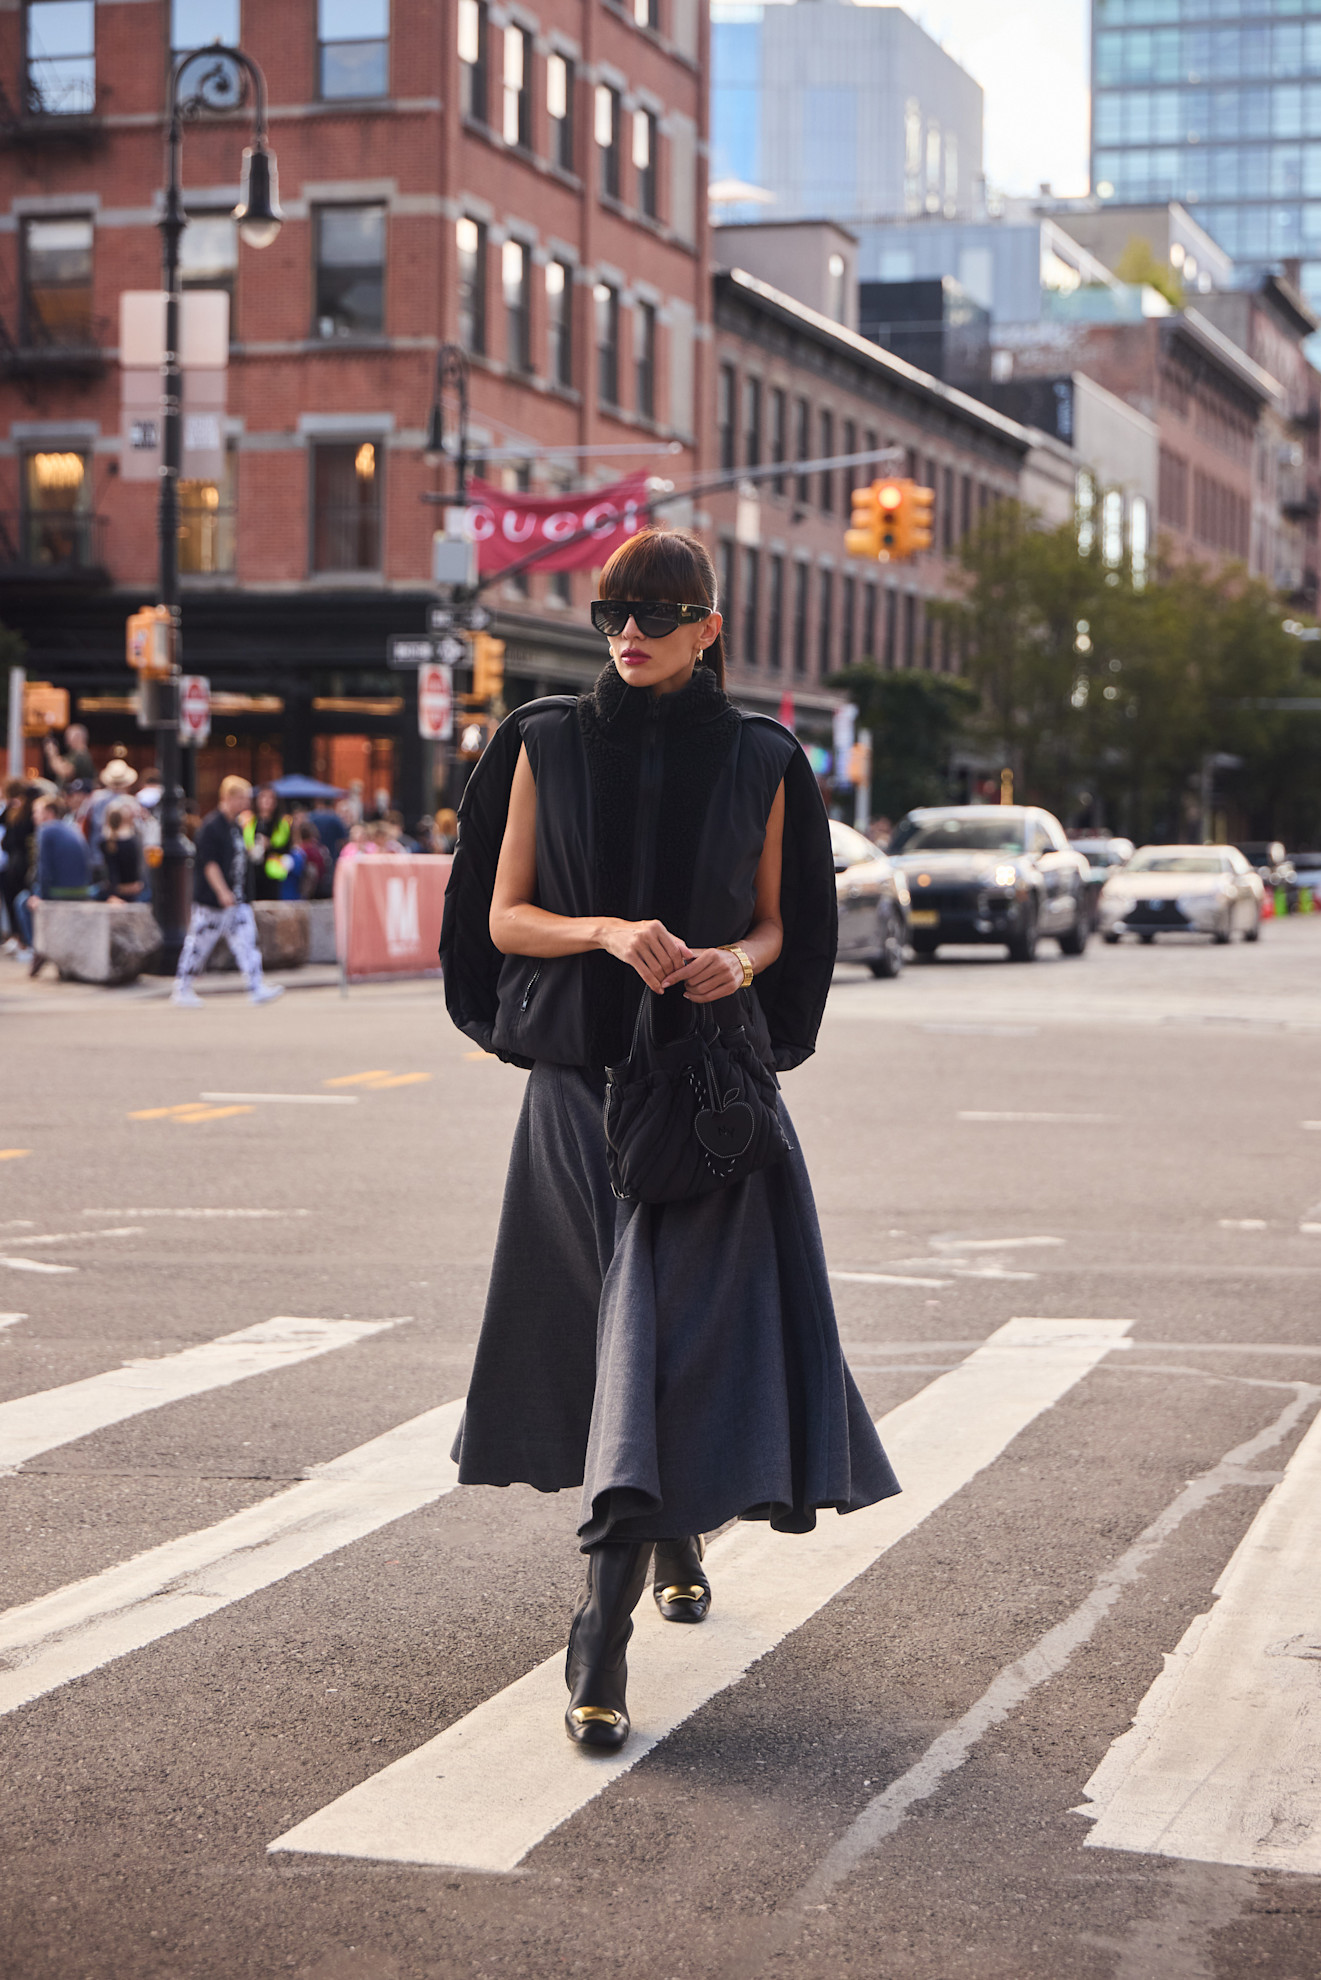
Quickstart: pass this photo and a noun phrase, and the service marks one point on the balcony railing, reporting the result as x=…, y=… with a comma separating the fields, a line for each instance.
x=1300, y=498
x=57, y=106
x=51, y=543
x=72, y=349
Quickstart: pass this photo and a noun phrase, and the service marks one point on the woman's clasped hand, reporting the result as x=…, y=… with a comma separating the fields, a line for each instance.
x=662, y=961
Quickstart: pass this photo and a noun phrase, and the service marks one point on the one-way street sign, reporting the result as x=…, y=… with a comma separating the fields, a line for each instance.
x=409, y=652
x=457, y=618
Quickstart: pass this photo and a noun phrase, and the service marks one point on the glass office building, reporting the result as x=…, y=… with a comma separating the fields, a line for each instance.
x=1216, y=103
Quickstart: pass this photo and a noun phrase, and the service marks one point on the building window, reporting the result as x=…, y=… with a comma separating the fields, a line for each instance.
x=750, y=652
x=849, y=445
x=869, y=624
x=516, y=119
x=353, y=48
x=605, y=126
x=891, y=630
x=802, y=448
x=61, y=58
x=350, y=271
x=647, y=13
x=193, y=23
x=209, y=253
x=605, y=303
x=559, y=107
x=57, y=519
x=775, y=615
x=801, y=571
x=752, y=422
x=826, y=427
x=206, y=524
x=965, y=506
x=644, y=359
x=847, y=620
x=470, y=240
x=559, y=323
x=910, y=630
x=473, y=44
x=946, y=519
x=644, y=161
x=513, y=277
x=725, y=581
x=725, y=417
x=346, y=507
x=825, y=623
x=57, y=284
x=779, y=434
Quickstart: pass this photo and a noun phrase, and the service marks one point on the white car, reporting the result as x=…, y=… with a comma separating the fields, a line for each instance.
x=1199, y=890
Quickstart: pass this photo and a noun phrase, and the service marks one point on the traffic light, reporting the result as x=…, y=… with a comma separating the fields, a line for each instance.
x=875, y=510
x=913, y=523
x=149, y=642
x=488, y=667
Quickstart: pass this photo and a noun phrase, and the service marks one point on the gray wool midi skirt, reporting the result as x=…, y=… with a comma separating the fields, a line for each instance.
x=680, y=1362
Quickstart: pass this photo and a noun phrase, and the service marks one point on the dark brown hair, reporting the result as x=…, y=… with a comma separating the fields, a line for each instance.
x=668, y=564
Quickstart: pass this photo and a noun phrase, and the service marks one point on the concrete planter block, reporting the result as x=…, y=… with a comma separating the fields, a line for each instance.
x=282, y=934
x=321, y=932
x=95, y=941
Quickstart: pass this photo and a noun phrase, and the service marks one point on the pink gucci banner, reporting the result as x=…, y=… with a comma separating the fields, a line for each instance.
x=510, y=526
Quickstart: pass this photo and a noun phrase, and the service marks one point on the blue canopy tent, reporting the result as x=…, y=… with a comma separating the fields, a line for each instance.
x=296, y=786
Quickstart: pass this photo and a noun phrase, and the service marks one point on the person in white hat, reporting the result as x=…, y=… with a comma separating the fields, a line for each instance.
x=116, y=786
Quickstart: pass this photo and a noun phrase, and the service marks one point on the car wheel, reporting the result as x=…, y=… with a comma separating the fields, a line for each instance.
x=1023, y=945
x=1074, y=941
x=1113, y=940
x=1253, y=934
x=1146, y=937
x=1224, y=932
x=924, y=946
x=891, y=959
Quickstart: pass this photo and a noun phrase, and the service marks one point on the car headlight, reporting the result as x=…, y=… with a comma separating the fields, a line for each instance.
x=901, y=890
x=1006, y=876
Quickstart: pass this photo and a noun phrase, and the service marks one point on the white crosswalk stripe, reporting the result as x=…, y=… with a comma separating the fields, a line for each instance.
x=491, y=1787
x=32, y=1424
x=1223, y=1760
x=77, y=1629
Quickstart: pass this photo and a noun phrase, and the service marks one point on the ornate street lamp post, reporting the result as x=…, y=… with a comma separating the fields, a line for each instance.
x=221, y=85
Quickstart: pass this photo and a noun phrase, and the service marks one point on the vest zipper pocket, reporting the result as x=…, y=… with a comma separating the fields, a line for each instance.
x=533, y=981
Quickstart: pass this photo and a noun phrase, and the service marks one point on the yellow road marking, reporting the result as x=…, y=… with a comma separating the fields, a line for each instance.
x=12, y=1154
x=479, y=1055
x=188, y=1113
x=378, y=1081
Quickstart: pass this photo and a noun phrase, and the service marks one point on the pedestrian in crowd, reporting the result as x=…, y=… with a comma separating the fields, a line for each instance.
x=116, y=783
x=268, y=834
x=447, y=829
x=424, y=834
x=63, y=870
x=403, y=843
x=17, y=842
x=315, y=870
x=121, y=856
x=221, y=881
x=620, y=878
x=74, y=761
x=333, y=832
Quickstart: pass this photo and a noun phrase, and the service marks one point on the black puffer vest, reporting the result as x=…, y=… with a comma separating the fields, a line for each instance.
x=647, y=806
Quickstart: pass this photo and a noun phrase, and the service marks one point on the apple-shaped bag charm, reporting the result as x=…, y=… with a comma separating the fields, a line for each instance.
x=726, y=1131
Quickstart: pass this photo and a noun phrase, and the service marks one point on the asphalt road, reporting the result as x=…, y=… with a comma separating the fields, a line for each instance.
x=891, y=1788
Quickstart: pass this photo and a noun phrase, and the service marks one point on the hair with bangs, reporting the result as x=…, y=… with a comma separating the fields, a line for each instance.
x=672, y=566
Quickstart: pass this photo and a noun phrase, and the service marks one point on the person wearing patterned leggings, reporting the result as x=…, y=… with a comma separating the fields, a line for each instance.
x=220, y=903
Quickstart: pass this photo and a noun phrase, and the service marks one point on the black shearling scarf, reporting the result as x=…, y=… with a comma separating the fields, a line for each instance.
x=699, y=728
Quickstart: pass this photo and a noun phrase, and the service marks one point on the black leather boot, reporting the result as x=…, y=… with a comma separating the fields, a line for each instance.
x=682, y=1591
x=595, y=1670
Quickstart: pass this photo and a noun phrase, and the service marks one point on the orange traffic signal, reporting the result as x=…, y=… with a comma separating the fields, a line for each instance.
x=884, y=525
x=488, y=667
x=913, y=526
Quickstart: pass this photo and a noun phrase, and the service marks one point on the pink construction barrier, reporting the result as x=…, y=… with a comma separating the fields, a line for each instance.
x=388, y=910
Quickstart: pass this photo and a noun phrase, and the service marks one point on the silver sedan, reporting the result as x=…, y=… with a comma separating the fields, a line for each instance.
x=1187, y=890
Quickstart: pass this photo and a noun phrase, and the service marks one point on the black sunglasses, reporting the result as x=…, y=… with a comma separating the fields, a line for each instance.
x=653, y=617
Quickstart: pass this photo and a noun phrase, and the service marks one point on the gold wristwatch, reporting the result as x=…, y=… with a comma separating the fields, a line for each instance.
x=733, y=949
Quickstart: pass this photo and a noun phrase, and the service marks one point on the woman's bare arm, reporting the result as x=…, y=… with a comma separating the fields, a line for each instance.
x=714, y=973
x=520, y=928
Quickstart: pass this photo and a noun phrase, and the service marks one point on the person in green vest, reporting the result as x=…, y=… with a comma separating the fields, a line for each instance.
x=268, y=836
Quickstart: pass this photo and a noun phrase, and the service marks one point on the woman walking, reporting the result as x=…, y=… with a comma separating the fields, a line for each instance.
x=633, y=863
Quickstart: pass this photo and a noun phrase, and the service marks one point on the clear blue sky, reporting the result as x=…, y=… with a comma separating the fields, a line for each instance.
x=1031, y=58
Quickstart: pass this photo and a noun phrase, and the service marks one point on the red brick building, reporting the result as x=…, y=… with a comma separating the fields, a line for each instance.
x=528, y=180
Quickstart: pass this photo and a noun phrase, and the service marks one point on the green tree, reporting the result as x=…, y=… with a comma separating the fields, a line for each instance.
x=1140, y=263
x=915, y=721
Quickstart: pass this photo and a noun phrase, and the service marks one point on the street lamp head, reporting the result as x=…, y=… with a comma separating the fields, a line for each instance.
x=433, y=448
x=258, y=211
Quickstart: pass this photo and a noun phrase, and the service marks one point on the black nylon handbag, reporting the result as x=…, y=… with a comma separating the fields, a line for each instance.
x=689, y=1116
